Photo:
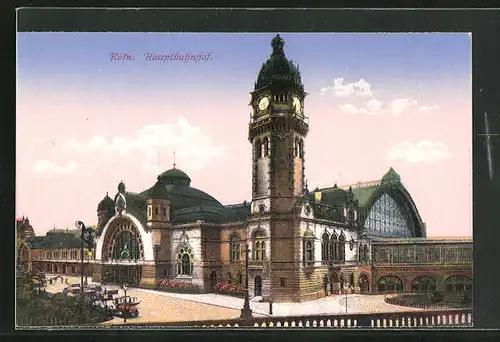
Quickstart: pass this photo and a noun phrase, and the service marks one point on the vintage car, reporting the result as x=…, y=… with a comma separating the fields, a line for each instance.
x=126, y=306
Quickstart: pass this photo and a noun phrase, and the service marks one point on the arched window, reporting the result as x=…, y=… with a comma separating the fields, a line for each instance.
x=266, y=146
x=423, y=284
x=126, y=246
x=325, y=248
x=390, y=284
x=388, y=218
x=149, y=211
x=258, y=149
x=308, y=248
x=229, y=278
x=301, y=148
x=334, y=248
x=296, y=147
x=164, y=211
x=309, y=252
x=185, y=261
x=259, y=245
x=156, y=211
x=234, y=248
x=240, y=278
x=341, y=248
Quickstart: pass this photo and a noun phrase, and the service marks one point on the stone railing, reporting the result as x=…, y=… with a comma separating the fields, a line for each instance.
x=414, y=319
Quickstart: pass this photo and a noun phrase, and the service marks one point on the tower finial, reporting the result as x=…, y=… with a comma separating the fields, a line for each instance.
x=158, y=162
x=174, y=157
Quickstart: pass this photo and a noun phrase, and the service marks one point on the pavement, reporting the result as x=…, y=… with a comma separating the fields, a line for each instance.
x=159, y=306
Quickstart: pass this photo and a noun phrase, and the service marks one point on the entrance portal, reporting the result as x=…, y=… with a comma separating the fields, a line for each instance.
x=213, y=280
x=258, y=286
x=364, y=285
x=123, y=274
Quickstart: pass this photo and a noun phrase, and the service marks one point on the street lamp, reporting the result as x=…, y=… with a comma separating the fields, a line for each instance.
x=124, y=311
x=86, y=237
x=246, y=312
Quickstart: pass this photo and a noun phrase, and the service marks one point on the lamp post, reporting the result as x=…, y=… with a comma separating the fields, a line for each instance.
x=246, y=312
x=86, y=237
x=125, y=303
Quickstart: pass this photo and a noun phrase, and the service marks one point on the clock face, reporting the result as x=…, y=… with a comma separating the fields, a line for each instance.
x=263, y=103
x=296, y=104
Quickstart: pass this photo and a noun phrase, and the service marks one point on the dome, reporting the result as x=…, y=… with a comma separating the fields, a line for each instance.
x=174, y=176
x=106, y=203
x=278, y=69
x=158, y=191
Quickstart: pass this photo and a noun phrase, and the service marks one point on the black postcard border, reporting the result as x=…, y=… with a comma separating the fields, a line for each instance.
x=485, y=28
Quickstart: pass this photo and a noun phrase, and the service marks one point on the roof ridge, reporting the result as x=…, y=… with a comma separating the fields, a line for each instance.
x=361, y=185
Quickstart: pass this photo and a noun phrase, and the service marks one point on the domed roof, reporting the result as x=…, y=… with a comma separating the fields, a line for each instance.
x=174, y=176
x=278, y=69
x=158, y=191
x=106, y=202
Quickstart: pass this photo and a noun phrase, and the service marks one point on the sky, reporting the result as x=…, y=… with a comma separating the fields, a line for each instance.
x=94, y=109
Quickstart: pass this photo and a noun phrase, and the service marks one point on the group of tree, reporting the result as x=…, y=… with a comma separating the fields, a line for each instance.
x=35, y=306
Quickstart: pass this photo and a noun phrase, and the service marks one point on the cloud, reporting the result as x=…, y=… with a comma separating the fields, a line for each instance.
x=349, y=108
x=427, y=108
x=359, y=88
x=398, y=106
x=423, y=151
x=194, y=149
x=373, y=107
x=48, y=166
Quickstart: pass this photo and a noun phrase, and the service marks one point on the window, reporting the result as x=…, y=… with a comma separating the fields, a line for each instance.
x=240, y=278
x=308, y=248
x=296, y=147
x=164, y=211
x=389, y=284
x=266, y=146
x=156, y=211
x=229, y=278
x=301, y=148
x=149, y=211
x=423, y=284
x=334, y=248
x=258, y=149
x=341, y=248
x=283, y=282
x=259, y=245
x=234, y=248
x=325, y=248
x=126, y=247
x=309, y=252
x=387, y=218
x=185, y=265
x=185, y=261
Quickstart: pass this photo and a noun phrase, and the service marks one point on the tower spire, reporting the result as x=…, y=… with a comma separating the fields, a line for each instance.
x=174, y=158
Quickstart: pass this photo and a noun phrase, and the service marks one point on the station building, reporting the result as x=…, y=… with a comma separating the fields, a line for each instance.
x=303, y=244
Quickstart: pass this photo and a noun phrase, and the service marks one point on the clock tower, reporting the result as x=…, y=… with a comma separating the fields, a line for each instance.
x=278, y=126
x=277, y=130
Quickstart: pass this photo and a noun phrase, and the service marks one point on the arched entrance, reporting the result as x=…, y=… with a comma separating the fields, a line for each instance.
x=334, y=279
x=364, y=284
x=258, y=286
x=390, y=284
x=213, y=280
